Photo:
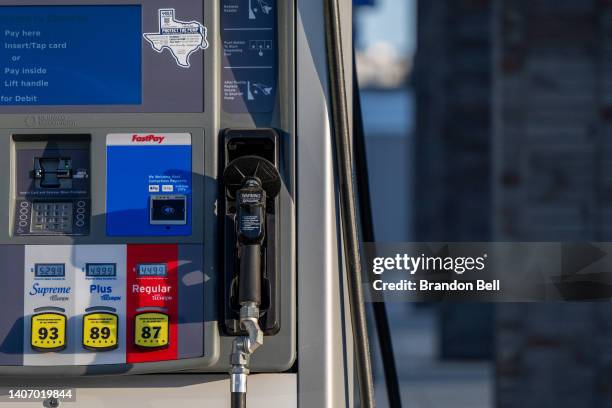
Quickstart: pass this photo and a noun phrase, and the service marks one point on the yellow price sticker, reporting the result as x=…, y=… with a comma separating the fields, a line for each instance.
x=48, y=332
x=100, y=331
x=151, y=330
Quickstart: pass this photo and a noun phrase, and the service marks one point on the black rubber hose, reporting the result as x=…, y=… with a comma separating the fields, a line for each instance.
x=238, y=400
x=367, y=231
x=344, y=163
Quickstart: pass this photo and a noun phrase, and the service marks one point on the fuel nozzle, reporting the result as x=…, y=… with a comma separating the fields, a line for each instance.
x=251, y=181
x=250, y=232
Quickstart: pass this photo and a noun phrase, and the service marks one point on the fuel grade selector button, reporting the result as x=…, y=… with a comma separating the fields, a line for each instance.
x=48, y=332
x=100, y=331
x=151, y=330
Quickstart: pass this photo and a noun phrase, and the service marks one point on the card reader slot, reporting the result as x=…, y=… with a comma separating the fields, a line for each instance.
x=50, y=170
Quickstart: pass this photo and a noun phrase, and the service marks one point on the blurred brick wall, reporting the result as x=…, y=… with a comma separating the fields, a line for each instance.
x=553, y=89
x=554, y=355
x=452, y=81
x=553, y=182
x=452, y=197
x=514, y=142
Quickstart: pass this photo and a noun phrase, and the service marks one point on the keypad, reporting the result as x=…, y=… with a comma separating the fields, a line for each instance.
x=52, y=217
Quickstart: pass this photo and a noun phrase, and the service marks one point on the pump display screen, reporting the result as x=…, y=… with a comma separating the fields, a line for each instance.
x=49, y=270
x=145, y=270
x=71, y=55
x=100, y=270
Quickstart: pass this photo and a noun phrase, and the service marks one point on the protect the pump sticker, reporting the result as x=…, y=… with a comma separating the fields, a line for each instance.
x=181, y=38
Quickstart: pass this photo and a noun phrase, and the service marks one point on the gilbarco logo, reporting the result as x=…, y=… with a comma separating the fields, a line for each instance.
x=148, y=139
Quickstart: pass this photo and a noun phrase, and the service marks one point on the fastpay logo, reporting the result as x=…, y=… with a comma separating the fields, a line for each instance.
x=148, y=139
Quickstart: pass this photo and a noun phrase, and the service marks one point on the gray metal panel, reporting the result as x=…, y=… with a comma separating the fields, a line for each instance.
x=278, y=352
x=191, y=281
x=11, y=293
x=325, y=358
x=175, y=390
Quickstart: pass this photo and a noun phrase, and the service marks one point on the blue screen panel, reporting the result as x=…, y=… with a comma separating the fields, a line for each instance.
x=70, y=55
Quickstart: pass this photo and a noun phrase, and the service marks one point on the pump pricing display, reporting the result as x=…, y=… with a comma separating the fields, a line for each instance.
x=152, y=270
x=49, y=270
x=48, y=332
x=100, y=331
x=101, y=270
x=151, y=330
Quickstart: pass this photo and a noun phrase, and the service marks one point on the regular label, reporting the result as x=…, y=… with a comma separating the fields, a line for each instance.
x=48, y=332
x=151, y=330
x=100, y=331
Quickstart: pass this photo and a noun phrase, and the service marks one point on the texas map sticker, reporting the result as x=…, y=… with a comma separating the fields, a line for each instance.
x=181, y=38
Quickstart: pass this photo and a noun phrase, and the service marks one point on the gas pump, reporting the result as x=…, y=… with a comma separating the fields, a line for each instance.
x=168, y=204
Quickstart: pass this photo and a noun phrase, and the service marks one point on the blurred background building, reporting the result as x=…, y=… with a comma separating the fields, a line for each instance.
x=488, y=120
x=552, y=93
